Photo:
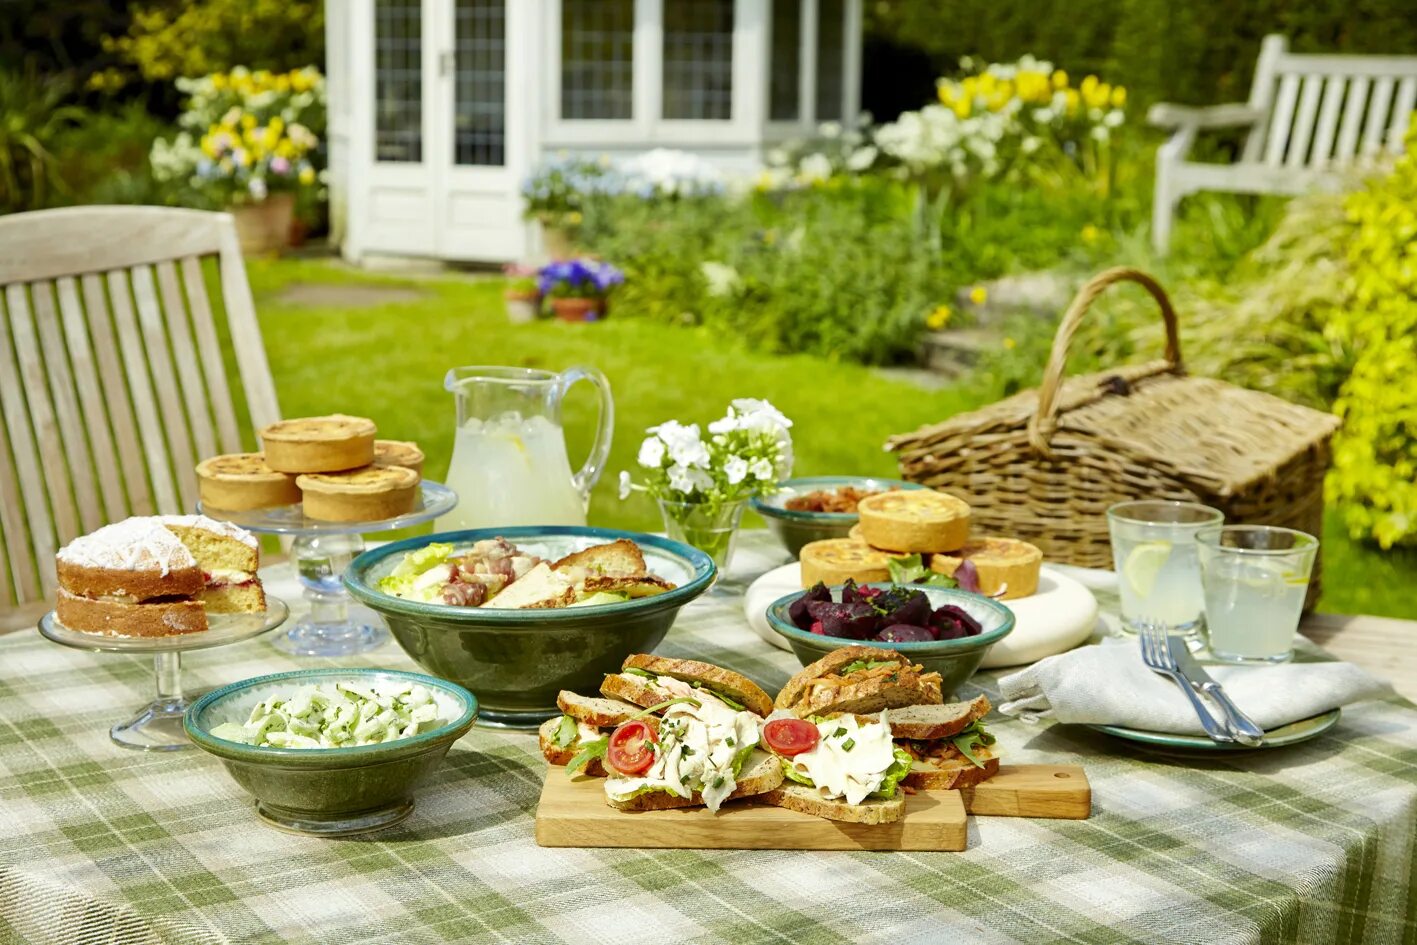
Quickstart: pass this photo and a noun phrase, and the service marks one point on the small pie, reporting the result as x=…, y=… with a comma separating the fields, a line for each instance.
x=236, y=482
x=319, y=444
x=1002, y=563
x=833, y=560
x=370, y=494
x=915, y=521
x=398, y=453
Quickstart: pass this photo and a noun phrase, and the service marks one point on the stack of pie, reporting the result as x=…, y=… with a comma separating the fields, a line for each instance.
x=934, y=525
x=332, y=465
x=157, y=576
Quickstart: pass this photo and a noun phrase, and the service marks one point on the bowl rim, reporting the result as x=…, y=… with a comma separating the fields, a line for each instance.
x=924, y=647
x=511, y=618
x=227, y=748
x=762, y=504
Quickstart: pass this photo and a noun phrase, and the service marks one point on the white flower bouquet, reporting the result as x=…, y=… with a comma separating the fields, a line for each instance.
x=701, y=483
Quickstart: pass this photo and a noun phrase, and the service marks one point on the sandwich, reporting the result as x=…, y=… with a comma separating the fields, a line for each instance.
x=693, y=741
x=948, y=745
x=842, y=767
x=858, y=680
x=584, y=720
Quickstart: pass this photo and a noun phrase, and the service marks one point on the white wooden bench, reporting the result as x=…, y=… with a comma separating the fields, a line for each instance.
x=1313, y=122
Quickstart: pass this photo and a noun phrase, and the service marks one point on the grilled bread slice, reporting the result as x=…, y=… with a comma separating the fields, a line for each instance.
x=831, y=663
x=619, y=558
x=319, y=444
x=561, y=755
x=762, y=772
x=641, y=692
x=736, y=686
x=952, y=773
x=821, y=688
x=929, y=722
x=601, y=713
x=799, y=797
x=917, y=521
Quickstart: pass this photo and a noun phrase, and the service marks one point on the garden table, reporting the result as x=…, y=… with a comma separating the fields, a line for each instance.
x=1314, y=843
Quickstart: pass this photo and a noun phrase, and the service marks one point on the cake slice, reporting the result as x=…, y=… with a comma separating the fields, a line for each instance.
x=228, y=558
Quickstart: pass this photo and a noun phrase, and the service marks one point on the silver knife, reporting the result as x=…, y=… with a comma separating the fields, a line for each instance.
x=1245, y=731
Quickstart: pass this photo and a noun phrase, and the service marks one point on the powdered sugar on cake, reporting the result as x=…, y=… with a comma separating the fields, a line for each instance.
x=134, y=544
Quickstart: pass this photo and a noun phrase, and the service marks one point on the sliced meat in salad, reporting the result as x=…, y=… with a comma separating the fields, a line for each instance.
x=496, y=573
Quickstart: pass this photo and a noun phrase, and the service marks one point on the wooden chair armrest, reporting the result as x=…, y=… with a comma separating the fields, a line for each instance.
x=1166, y=115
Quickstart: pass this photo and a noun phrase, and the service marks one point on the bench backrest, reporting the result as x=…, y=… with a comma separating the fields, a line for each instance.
x=1329, y=112
x=112, y=377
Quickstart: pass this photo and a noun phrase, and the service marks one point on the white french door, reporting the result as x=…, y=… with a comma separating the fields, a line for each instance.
x=449, y=130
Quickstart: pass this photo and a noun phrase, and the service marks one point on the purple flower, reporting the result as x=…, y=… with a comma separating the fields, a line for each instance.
x=578, y=278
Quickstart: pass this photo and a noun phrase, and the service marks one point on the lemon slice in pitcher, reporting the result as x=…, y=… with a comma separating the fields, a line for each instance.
x=1144, y=564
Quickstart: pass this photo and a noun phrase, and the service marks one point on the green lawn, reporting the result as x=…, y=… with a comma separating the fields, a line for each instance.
x=387, y=362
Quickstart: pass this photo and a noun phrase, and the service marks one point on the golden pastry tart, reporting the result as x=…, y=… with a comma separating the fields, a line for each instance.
x=370, y=494
x=235, y=482
x=914, y=521
x=833, y=560
x=1003, y=564
x=319, y=444
x=398, y=453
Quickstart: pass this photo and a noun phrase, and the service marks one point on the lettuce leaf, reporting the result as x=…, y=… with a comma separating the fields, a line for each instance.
x=588, y=753
x=970, y=738
x=898, y=769
x=792, y=774
x=910, y=569
x=566, y=732
x=741, y=758
x=399, y=582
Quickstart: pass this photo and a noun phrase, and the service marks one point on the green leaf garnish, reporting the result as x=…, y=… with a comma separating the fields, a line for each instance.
x=636, y=671
x=849, y=744
x=590, y=752
x=970, y=738
x=910, y=569
x=565, y=732
x=859, y=665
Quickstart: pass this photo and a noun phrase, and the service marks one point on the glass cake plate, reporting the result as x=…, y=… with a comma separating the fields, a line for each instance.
x=320, y=553
x=158, y=725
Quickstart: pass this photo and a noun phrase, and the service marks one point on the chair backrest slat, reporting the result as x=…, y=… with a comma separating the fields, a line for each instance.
x=117, y=399
x=209, y=348
x=112, y=382
x=1376, y=123
x=1353, y=107
x=91, y=401
x=1328, y=120
x=1402, y=114
x=1297, y=154
x=79, y=469
x=1281, y=120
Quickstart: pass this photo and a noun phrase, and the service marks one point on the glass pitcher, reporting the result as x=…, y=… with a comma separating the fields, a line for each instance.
x=510, y=465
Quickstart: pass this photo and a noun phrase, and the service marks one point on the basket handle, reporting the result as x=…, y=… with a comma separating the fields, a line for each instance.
x=1044, y=420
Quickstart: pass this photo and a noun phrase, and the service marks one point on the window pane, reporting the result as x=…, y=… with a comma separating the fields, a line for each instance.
x=698, y=59
x=786, y=60
x=597, y=58
x=480, y=106
x=831, y=39
x=398, y=80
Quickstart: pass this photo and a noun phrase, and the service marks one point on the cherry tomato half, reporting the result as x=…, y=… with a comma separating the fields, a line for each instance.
x=631, y=748
x=790, y=737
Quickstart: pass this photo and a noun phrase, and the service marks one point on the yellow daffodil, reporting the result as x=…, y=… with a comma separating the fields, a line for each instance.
x=939, y=318
x=218, y=81
x=1090, y=234
x=946, y=94
x=1071, y=100
x=1119, y=96
x=979, y=295
x=1060, y=79
x=307, y=175
x=1010, y=344
x=962, y=108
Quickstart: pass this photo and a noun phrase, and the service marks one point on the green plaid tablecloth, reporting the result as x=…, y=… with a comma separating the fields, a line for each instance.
x=1309, y=844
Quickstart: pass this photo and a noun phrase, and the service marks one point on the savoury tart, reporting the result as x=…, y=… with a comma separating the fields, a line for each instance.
x=370, y=494
x=914, y=521
x=236, y=482
x=833, y=560
x=1003, y=564
x=319, y=444
x=398, y=453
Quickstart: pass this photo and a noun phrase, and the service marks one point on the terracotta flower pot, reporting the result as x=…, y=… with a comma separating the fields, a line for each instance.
x=578, y=310
x=265, y=227
x=522, y=307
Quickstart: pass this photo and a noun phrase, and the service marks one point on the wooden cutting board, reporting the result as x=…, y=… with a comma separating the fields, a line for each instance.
x=573, y=813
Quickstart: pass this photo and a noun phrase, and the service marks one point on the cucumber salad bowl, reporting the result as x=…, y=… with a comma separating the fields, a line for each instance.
x=517, y=660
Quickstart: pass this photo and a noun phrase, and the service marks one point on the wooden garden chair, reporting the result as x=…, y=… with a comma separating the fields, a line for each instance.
x=112, y=376
x=1314, y=121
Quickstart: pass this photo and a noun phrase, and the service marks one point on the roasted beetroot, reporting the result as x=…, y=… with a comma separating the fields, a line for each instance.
x=906, y=633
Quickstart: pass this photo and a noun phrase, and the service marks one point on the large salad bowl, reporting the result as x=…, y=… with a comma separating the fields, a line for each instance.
x=516, y=661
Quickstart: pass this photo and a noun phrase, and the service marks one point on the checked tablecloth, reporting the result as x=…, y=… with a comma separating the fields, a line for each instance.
x=1309, y=844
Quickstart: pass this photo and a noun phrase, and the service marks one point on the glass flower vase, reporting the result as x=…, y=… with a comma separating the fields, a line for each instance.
x=711, y=527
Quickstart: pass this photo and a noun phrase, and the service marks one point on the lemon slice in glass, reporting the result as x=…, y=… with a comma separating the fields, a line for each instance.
x=1144, y=564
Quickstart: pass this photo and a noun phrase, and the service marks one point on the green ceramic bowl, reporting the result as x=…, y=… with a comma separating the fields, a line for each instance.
x=518, y=660
x=954, y=660
x=795, y=529
x=330, y=792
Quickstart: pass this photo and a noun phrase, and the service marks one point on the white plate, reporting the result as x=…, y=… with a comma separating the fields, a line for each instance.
x=1061, y=615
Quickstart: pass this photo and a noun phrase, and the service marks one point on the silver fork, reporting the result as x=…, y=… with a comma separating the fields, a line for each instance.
x=1158, y=658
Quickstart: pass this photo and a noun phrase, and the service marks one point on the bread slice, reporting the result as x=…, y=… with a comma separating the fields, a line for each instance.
x=909, y=688
x=643, y=585
x=736, y=686
x=833, y=560
x=953, y=774
x=799, y=797
x=829, y=664
x=915, y=521
x=931, y=722
x=546, y=737
x=619, y=558
x=762, y=772
x=602, y=713
x=538, y=589
x=638, y=691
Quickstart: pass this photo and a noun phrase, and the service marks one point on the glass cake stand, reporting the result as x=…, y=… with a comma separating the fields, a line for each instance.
x=320, y=553
x=158, y=725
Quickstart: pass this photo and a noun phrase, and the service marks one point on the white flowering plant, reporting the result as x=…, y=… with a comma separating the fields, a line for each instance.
x=745, y=454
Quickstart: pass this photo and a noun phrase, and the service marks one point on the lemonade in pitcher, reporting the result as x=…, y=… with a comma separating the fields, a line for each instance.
x=509, y=464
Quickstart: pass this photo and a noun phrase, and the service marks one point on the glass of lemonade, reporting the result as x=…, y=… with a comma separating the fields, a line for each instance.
x=1154, y=553
x=1255, y=578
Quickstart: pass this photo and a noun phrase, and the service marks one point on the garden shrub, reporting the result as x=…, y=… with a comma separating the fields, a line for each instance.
x=167, y=40
x=33, y=120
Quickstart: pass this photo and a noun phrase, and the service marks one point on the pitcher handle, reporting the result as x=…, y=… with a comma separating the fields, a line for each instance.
x=589, y=474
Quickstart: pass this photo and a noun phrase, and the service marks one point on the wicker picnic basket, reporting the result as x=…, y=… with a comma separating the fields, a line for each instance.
x=1045, y=464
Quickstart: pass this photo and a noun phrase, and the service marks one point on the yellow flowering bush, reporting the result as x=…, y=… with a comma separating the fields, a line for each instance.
x=1374, y=477
x=245, y=134
x=167, y=40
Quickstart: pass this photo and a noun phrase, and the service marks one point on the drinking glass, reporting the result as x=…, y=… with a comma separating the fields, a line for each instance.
x=1154, y=553
x=1255, y=579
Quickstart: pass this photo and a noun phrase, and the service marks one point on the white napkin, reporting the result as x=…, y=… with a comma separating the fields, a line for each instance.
x=1110, y=685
